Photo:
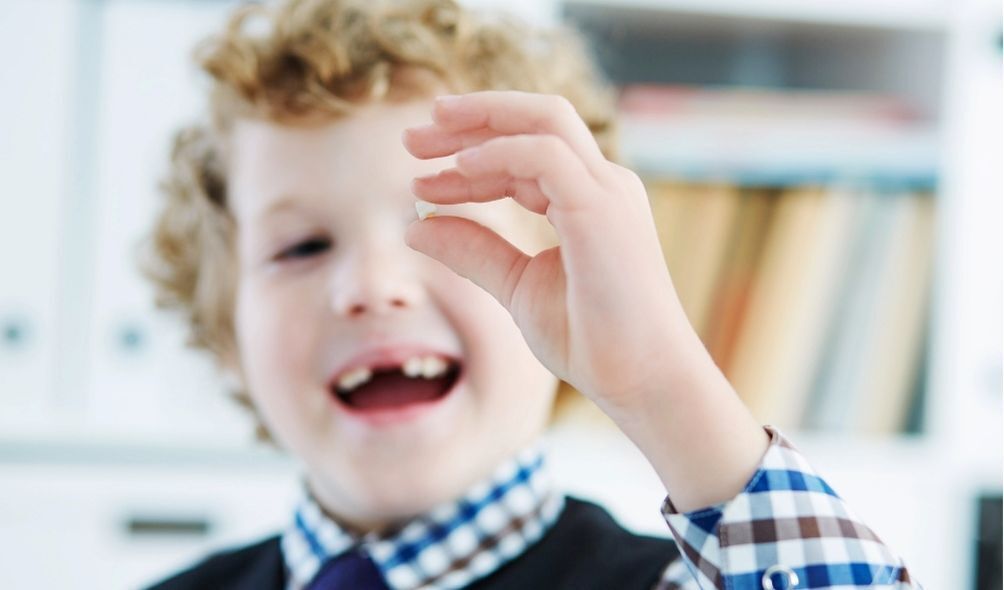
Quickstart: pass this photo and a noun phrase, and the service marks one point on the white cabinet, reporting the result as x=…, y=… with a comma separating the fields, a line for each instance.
x=95, y=525
x=36, y=39
x=142, y=379
x=968, y=410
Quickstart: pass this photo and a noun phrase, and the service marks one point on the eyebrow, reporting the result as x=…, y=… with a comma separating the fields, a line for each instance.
x=285, y=202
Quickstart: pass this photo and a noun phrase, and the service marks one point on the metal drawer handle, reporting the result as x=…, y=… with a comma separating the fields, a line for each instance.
x=146, y=526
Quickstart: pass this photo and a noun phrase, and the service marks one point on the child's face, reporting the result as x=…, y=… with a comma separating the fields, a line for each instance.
x=325, y=276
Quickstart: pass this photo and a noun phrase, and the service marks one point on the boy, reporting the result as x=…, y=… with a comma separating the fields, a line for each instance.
x=412, y=364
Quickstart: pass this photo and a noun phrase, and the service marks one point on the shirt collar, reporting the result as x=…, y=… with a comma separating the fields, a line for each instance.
x=447, y=547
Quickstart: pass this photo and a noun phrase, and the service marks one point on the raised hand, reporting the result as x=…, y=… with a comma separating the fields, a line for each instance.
x=599, y=310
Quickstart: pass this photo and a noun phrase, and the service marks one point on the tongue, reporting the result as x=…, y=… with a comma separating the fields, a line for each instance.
x=391, y=389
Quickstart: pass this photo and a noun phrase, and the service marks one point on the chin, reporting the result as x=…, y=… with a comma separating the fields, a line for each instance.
x=405, y=497
x=405, y=486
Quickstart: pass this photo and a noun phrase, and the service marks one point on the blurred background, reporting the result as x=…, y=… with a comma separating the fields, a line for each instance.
x=827, y=181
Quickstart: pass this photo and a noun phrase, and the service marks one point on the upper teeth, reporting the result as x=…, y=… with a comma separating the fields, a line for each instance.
x=354, y=378
x=428, y=367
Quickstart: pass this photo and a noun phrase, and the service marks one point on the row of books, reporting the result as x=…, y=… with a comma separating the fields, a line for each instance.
x=813, y=300
x=782, y=137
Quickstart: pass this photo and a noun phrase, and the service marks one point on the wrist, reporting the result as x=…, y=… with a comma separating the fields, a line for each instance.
x=697, y=434
x=685, y=369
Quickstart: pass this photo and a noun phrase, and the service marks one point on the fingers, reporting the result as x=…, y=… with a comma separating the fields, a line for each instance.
x=535, y=170
x=452, y=187
x=471, y=250
x=433, y=141
x=470, y=119
x=560, y=175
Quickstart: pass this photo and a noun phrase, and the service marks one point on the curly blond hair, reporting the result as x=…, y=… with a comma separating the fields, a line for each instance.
x=305, y=60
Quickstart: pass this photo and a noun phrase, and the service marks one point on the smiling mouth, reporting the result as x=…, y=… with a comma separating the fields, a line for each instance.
x=392, y=389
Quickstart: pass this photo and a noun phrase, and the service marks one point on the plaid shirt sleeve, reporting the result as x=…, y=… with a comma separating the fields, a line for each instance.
x=786, y=525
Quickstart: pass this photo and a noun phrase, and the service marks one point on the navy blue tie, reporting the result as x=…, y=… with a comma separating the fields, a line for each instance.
x=350, y=571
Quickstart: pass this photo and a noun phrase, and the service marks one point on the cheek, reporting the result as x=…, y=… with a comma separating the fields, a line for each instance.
x=513, y=392
x=493, y=345
x=275, y=336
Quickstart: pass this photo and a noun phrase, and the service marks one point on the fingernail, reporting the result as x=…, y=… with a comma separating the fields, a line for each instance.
x=416, y=129
x=447, y=100
x=415, y=182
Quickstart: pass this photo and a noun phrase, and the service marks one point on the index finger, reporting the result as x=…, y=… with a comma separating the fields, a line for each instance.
x=510, y=112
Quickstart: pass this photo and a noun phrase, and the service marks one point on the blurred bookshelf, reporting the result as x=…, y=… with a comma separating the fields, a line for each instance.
x=826, y=235
x=826, y=181
x=813, y=300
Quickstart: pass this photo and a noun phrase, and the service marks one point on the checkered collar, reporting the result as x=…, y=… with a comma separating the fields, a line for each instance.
x=449, y=546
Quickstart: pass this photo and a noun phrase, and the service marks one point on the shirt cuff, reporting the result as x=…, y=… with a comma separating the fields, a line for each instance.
x=786, y=521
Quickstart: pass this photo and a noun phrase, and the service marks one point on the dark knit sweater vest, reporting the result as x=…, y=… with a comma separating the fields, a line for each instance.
x=584, y=550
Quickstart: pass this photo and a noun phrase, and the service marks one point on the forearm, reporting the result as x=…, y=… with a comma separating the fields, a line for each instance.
x=697, y=434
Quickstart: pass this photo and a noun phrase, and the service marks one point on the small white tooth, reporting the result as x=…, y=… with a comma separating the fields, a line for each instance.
x=355, y=378
x=425, y=209
x=433, y=366
x=413, y=367
x=363, y=374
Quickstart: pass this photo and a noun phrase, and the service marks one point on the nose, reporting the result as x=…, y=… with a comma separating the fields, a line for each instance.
x=376, y=281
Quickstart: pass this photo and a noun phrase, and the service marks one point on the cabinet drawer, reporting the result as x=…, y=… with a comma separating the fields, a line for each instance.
x=126, y=526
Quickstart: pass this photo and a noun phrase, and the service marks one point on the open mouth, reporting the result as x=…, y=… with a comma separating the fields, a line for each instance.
x=396, y=387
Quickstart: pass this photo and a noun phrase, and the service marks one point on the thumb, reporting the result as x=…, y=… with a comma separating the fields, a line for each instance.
x=472, y=251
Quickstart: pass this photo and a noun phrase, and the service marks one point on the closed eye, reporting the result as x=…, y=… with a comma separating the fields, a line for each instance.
x=304, y=249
